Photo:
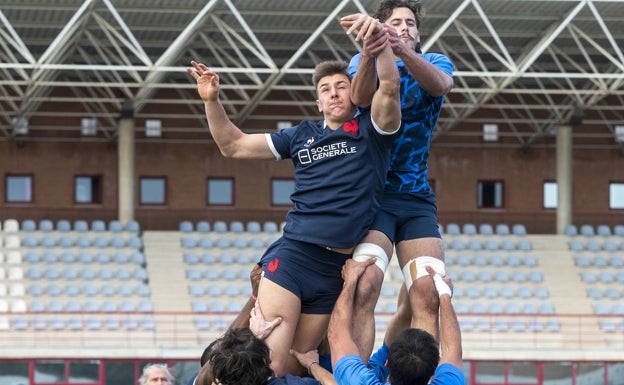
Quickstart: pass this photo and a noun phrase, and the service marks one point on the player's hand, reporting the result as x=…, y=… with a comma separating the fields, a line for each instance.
x=365, y=25
x=207, y=81
x=258, y=325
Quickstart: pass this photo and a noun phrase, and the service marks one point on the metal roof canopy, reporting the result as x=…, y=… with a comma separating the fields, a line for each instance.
x=526, y=66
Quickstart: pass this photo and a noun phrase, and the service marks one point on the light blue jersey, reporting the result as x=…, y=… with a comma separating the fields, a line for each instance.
x=408, y=171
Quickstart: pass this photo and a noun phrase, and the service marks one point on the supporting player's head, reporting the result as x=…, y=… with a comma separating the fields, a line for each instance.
x=240, y=358
x=413, y=358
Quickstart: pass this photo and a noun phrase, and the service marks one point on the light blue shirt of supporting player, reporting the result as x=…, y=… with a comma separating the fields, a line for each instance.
x=351, y=370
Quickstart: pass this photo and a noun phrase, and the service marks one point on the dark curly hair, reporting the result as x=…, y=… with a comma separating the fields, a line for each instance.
x=385, y=8
x=413, y=358
x=240, y=358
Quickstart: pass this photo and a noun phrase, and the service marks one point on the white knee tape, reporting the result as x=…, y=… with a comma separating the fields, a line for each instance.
x=366, y=251
x=417, y=268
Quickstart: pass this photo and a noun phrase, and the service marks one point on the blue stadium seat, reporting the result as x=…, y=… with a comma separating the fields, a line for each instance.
x=98, y=226
x=199, y=307
x=253, y=227
x=270, y=227
x=570, y=230
x=518, y=229
x=63, y=226
x=453, y=229
x=81, y=226
x=83, y=242
x=237, y=227
x=603, y=230
x=203, y=227
x=486, y=229
x=587, y=230
x=133, y=226
x=186, y=227
x=469, y=229
x=135, y=243
x=220, y=227
x=205, y=243
x=29, y=226
x=502, y=229
x=120, y=258
x=115, y=226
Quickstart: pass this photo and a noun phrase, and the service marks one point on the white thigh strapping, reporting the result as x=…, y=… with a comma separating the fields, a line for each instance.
x=366, y=251
x=417, y=267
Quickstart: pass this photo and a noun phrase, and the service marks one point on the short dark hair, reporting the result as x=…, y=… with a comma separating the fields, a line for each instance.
x=329, y=68
x=385, y=8
x=206, y=352
x=240, y=358
x=413, y=358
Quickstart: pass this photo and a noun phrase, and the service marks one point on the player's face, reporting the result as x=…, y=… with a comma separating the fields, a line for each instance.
x=334, y=98
x=404, y=22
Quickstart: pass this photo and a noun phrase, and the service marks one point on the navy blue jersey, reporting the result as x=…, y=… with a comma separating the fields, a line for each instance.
x=408, y=171
x=339, y=179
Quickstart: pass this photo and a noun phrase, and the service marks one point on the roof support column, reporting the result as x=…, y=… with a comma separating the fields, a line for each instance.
x=125, y=158
x=564, y=177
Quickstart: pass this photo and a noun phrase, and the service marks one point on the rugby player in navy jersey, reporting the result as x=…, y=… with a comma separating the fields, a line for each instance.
x=407, y=219
x=340, y=167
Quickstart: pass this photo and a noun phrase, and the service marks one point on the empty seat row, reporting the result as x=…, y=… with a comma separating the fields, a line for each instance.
x=611, y=325
x=514, y=325
x=490, y=244
x=512, y=260
x=88, y=290
x=91, y=306
x=485, y=229
x=217, y=290
x=616, y=261
x=85, y=257
x=215, y=324
x=67, y=241
x=216, y=306
x=193, y=274
x=87, y=273
x=223, y=227
x=604, y=308
x=589, y=230
x=224, y=258
x=63, y=225
x=508, y=307
x=502, y=276
x=597, y=293
x=225, y=243
x=595, y=245
x=77, y=322
x=504, y=291
x=602, y=276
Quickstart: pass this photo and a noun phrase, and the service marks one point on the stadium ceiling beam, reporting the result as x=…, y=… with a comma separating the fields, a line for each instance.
x=277, y=76
x=523, y=65
x=170, y=55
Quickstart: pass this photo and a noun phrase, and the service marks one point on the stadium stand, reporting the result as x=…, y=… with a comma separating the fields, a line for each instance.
x=185, y=286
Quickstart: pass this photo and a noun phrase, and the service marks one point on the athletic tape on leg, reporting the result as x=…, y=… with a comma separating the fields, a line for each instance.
x=366, y=251
x=441, y=286
x=417, y=268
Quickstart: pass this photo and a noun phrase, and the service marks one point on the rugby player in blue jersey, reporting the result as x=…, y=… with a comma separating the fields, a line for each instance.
x=408, y=356
x=340, y=167
x=407, y=219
